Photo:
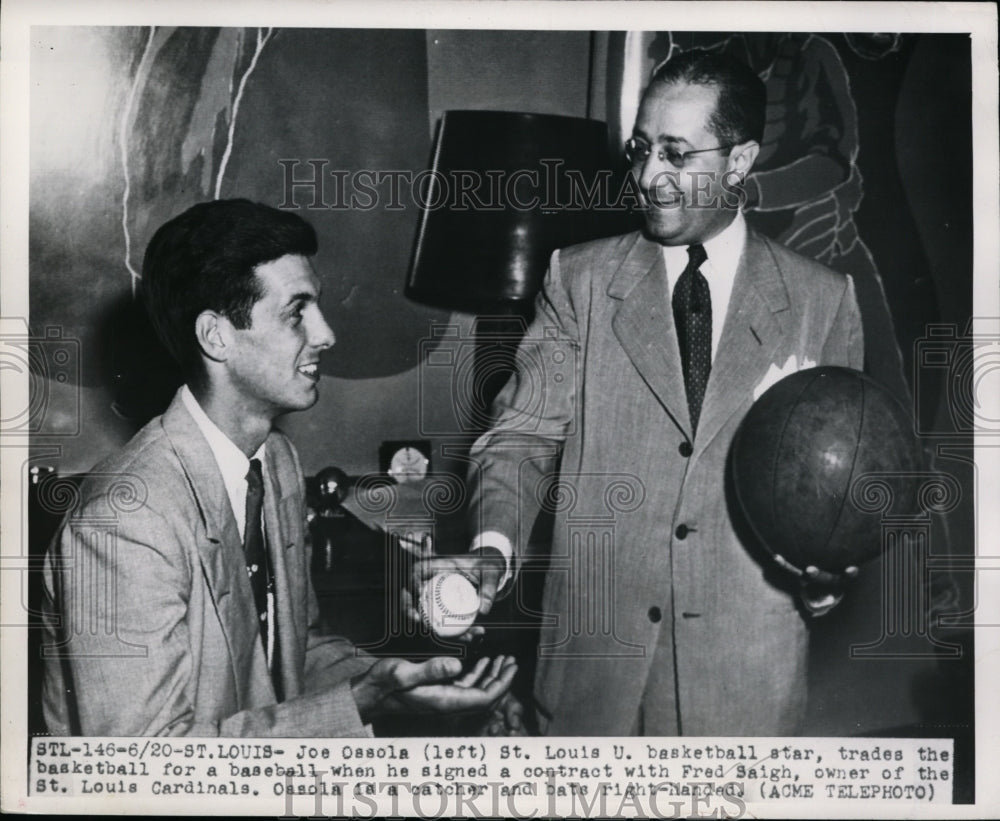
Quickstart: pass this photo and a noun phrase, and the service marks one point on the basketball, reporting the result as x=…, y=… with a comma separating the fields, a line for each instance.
x=799, y=452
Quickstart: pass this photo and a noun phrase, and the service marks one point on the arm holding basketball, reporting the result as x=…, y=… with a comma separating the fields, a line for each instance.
x=821, y=590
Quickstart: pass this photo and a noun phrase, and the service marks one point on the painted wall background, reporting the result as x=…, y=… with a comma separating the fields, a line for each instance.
x=130, y=126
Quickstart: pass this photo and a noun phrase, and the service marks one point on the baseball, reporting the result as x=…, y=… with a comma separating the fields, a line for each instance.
x=449, y=604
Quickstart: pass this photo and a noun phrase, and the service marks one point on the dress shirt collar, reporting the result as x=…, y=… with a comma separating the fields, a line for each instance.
x=726, y=248
x=233, y=464
x=724, y=251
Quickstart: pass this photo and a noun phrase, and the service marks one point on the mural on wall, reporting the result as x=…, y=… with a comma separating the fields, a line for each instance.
x=806, y=185
x=179, y=121
x=833, y=111
x=130, y=126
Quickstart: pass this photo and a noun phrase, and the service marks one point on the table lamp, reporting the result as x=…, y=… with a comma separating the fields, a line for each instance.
x=504, y=191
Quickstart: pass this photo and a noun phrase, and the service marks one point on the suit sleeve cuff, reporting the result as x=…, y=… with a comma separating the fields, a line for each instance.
x=338, y=714
x=493, y=538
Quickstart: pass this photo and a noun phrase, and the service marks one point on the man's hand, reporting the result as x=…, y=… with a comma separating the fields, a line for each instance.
x=820, y=590
x=506, y=719
x=435, y=686
x=824, y=578
x=484, y=568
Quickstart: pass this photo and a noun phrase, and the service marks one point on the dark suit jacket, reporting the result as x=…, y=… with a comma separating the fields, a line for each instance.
x=650, y=596
x=150, y=622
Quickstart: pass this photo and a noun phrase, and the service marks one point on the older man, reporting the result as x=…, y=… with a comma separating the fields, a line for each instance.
x=657, y=618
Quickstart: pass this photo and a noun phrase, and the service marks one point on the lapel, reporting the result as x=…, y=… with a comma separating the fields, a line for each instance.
x=644, y=326
x=283, y=533
x=220, y=551
x=754, y=324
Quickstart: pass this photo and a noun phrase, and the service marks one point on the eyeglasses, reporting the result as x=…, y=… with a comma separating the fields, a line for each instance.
x=637, y=150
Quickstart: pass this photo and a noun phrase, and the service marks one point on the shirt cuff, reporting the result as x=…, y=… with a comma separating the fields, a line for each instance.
x=493, y=538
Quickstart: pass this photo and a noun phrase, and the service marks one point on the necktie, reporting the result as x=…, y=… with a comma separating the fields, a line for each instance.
x=692, y=304
x=255, y=554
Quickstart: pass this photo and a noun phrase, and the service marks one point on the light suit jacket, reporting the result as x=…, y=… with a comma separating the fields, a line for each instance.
x=650, y=596
x=150, y=622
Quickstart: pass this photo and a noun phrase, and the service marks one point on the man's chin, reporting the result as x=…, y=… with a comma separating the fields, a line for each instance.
x=311, y=399
x=304, y=401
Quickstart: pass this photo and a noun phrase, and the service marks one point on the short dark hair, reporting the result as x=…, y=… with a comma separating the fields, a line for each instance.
x=739, y=111
x=204, y=259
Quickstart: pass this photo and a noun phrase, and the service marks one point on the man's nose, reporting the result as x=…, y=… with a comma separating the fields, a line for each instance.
x=322, y=334
x=656, y=174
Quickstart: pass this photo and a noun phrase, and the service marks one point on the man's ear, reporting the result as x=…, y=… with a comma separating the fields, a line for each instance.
x=742, y=157
x=214, y=334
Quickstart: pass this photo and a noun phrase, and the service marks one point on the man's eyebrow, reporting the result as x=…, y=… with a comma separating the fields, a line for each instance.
x=669, y=138
x=302, y=296
x=662, y=138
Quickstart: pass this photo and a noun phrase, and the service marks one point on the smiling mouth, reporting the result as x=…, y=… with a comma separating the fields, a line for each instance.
x=664, y=201
x=310, y=371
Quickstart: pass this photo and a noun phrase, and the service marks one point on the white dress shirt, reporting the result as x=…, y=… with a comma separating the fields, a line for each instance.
x=724, y=251
x=234, y=466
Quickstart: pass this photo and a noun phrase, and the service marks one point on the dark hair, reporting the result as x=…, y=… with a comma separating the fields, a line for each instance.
x=739, y=110
x=204, y=259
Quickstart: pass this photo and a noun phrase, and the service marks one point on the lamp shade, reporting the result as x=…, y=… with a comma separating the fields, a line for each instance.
x=505, y=190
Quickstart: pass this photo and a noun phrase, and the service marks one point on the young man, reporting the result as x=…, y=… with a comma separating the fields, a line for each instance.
x=178, y=598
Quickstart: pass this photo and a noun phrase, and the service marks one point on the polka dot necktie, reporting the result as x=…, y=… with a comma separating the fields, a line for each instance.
x=255, y=553
x=692, y=304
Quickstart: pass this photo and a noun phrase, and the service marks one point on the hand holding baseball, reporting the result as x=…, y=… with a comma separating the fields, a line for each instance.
x=484, y=568
x=449, y=604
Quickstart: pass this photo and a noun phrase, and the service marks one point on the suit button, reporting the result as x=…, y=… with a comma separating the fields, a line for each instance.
x=685, y=449
x=654, y=614
x=682, y=532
